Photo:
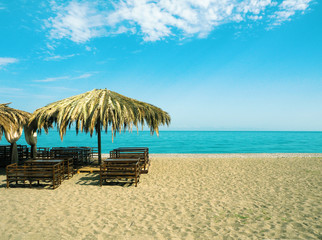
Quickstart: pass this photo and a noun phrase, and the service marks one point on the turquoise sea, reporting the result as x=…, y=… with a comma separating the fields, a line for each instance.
x=193, y=141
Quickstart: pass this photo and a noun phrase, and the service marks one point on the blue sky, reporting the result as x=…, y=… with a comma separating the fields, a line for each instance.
x=212, y=64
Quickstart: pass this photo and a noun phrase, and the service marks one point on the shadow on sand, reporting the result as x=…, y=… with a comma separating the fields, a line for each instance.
x=94, y=180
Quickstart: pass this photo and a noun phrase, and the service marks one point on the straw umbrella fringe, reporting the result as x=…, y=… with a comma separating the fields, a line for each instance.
x=11, y=119
x=96, y=110
x=11, y=123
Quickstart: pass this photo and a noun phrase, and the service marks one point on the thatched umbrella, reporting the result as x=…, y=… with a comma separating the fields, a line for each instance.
x=96, y=110
x=12, y=122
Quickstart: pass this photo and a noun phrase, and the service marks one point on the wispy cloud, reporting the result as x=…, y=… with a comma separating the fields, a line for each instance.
x=51, y=79
x=10, y=90
x=288, y=8
x=58, y=57
x=85, y=75
x=54, y=88
x=136, y=51
x=77, y=21
x=55, y=79
x=2, y=7
x=61, y=88
x=5, y=61
x=81, y=21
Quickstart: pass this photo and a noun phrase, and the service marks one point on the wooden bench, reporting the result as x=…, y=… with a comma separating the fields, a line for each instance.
x=121, y=169
x=67, y=165
x=43, y=152
x=133, y=153
x=80, y=156
x=44, y=173
x=5, y=155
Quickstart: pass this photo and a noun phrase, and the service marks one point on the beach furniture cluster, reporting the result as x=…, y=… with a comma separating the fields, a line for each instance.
x=39, y=171
x=5, y=153
x=82, y=110
x=125, y=164
x=80, y=155
x=141, y=153
x=54, y=165
x=120, y=169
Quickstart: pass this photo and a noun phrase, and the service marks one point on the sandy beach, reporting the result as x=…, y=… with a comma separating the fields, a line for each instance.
x=184, y=196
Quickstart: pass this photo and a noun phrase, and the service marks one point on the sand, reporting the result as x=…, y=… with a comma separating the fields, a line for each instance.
x=259, y=196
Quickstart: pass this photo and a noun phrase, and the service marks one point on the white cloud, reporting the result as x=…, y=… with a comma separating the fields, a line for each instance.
x=55, y=79
x=5, y=61
x=85, y=75
x=10, y=90
x=51, y=79
x=80, y=21
x=58, y=57
x=60, y=88
x=288, y=8
x=2, y=7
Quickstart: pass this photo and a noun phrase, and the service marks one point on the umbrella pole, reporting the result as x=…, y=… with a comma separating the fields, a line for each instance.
x=14, y=153
x=99, y=141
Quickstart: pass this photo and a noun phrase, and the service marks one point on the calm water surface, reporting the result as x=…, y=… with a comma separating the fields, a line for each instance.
x=193, y=141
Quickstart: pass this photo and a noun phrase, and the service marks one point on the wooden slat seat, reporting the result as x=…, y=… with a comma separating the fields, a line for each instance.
x=67, y=165
x=43, y=152
x=31, y=173
x=80, y=155
x=121, y=169
x=5, y=155
x=133, y=153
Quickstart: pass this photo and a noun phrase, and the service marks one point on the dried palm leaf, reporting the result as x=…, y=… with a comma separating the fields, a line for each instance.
x=12, y=119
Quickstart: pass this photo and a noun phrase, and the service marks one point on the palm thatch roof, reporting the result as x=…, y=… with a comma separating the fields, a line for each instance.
x=99, y=108
x=11, y=119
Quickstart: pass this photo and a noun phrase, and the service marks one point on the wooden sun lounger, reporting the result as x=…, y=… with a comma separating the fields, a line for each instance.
x=49, y=173
x=133, y=153
x=121, y=169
